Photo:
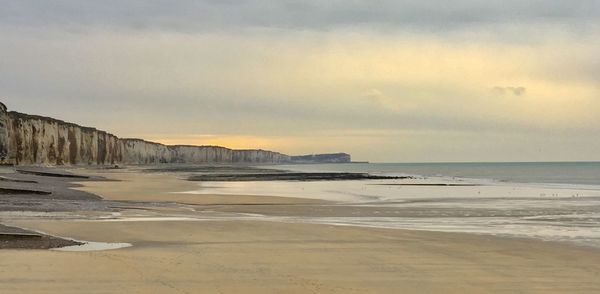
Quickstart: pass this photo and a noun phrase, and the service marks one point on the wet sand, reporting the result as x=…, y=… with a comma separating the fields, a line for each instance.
x=181, y=256
x=139, y=186
x=268, y=257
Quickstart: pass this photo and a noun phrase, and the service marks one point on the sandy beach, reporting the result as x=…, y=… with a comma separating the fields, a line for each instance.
x=240, y=256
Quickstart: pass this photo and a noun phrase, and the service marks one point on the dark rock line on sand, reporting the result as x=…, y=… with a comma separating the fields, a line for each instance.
x=7, y=179
x=17, y=238
x=431, y=185
x=6, y=191
x=289, y=176
x=51, y=174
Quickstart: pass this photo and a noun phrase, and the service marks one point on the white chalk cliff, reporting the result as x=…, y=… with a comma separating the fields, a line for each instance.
x=36, y=140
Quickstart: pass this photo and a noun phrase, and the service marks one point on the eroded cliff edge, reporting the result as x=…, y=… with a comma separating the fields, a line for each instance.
x=3, y=133
x=35, y=140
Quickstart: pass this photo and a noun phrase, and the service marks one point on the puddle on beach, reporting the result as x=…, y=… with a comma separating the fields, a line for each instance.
x=85, y=246
x=93, y=246
x=146, y=219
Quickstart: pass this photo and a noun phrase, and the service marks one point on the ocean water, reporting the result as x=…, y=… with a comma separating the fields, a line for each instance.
x=547, y=201
x=577, y=173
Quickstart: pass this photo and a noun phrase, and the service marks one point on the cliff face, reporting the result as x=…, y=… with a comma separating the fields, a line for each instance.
x=3, y=134
x=36, y=140
x=142, y=152
x=136, y=151
x=40, y=140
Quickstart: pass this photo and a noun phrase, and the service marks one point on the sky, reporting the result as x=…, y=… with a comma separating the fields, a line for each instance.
x=384, y=80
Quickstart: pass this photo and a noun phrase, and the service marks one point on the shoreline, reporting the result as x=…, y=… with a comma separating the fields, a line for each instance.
x=135, y=189
x=160, y=187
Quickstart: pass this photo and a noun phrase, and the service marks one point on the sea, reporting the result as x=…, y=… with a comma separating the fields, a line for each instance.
x=576, y=173
x=550, y=201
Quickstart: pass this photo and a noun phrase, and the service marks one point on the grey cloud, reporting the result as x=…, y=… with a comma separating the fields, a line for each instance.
x=189, y=15
x=514, y=91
